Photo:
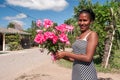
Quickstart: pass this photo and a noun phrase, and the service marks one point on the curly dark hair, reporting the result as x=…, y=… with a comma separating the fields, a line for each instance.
x=90, y=12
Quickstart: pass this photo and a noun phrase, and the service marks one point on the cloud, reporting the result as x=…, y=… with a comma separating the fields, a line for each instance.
x=55, y=5
x=17, y=17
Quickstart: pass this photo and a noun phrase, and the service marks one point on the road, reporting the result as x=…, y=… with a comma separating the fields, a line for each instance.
x=31, y=64
x=15, y=63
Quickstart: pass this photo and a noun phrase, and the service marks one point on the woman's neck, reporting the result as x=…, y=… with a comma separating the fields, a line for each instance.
x=86, y=31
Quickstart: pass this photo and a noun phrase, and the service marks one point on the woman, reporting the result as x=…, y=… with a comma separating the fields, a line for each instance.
x=83, y=49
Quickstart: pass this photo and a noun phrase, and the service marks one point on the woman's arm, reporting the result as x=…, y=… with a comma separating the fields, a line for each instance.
x=68, y=58
x=91, y=47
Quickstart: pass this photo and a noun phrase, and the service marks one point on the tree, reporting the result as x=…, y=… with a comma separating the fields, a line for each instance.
x=106, y=25
x=15, y=25
x=11, y=25
x=112, y=33
x=32, y=30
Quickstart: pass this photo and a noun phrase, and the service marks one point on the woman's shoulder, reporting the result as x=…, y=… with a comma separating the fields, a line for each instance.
x=93, y=34
x=93, y=37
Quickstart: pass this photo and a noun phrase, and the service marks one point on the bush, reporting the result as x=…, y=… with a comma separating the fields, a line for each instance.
x=14, y=46
x=13, y=41
x=115, y=63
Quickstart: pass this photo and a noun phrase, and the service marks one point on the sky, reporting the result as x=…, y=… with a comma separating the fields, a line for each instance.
x=24, y=11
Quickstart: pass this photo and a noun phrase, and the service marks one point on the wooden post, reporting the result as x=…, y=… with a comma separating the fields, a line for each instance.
x=106, y=64
x=3, y=41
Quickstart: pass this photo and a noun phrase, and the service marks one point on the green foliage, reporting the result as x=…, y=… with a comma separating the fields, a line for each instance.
x=115, y=63
x=32, y=30
x=103, y=19
x=99, y=26
x=13, y=41
x=14, y=46
x=11, y=25
x=114, y=67
x=12, y=38
x=53, y=47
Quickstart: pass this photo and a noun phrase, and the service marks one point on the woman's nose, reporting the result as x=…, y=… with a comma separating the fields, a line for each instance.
x=81, y=22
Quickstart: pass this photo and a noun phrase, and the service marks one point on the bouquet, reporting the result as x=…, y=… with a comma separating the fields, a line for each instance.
x=51, y=36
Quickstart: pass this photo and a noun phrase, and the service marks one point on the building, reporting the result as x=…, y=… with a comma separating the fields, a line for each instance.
x=4, y=31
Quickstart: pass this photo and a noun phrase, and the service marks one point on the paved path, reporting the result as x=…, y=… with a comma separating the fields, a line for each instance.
x=15, y=63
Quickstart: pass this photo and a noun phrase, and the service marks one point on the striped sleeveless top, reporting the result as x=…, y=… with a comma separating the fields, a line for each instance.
x=82, y=70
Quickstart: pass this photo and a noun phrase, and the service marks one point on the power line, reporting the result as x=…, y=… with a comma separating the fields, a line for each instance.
x=21, y=12
x=18, y=11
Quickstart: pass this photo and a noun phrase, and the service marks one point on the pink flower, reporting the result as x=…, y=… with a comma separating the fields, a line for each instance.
x=61, y=28
x=47, y=23
x=69, y=27
x=38, y=23
x=64, y=28
x=67, y=42
x=49, y=35
x=55, y=39
x=53, y=57
x=63, y=37
x=39, y=39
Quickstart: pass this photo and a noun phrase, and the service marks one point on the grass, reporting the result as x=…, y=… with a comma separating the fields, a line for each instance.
x=3, y=52
x=64, y=63
x=113, y=68
x=116, y=60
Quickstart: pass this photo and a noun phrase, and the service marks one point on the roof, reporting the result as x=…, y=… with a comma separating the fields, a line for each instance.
x=12, y=31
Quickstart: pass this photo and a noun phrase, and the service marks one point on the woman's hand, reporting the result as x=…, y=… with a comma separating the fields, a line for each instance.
x=60, y=55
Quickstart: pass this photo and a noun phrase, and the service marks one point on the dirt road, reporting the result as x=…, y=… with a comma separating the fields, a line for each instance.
x=14, y=63
x=30, y=64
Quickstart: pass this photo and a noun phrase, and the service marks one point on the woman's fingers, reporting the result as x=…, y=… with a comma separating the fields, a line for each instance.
x=60, y=55
x=57, y=56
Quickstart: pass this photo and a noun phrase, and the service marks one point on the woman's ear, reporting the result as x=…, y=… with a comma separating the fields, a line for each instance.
x=91, y=22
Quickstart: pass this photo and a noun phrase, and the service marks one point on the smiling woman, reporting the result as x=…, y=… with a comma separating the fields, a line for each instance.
x=83, y=49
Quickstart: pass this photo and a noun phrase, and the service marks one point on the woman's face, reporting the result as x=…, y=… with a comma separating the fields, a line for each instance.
x=84, y=21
